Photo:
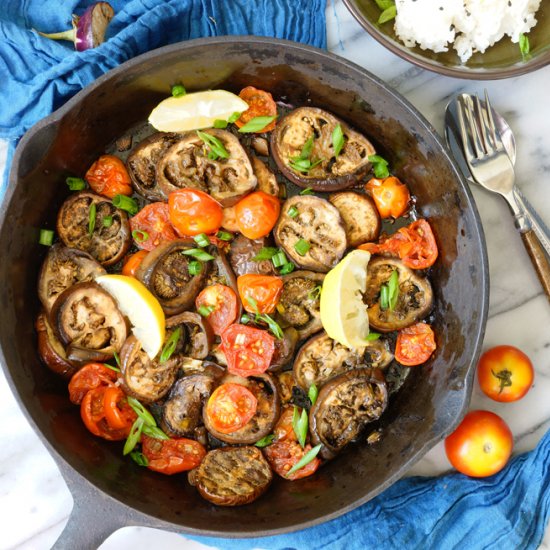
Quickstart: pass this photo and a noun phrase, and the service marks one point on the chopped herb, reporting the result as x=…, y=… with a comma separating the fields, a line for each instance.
x=178, y=90
x=214, y=144
x=387, y=15
x=140, y=236
x=379, y=166
x=202, y=240
x=307, y=191
x=154, y=431
x=384, y=297
x=224, y=235
x=312, y=393
x=265, y=441
x=170, y=346
x=300, y=425
x=116, y=369
x=256, y=124
x=275, y=329
x=266, y=253
x=337, y=140
x=198, y=254
x=46, y=237
x=303, y=165
x=91, y=218
x=393, y=289
x=134, y=437
x=307, y=148
x=302, y=246
x=107, y=221
x=372, y=336
x=292, y=212
x=117, y=358
x=315, y=293
x=195, y=267
x=305, y=460
x=279, y=259
x=234, y=117
x=221, y=124
x=75, y=184
x=141, y=411
x=524, y=46
x=287, y=268
x=126, y=203
x=139, y=458
x=384, y=4
x=205, y=311
x=245, y=318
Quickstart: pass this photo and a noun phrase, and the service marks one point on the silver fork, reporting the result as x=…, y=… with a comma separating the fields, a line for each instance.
x=492, y=168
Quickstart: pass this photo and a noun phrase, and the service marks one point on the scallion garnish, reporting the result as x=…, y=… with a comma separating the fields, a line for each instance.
x=91, y=218
x=140, y=236
x=107, y=221
x=256, y=124
x=273, y=326
x=234, y=117
x=46, y=237
x=125, y=203
x=116, y=369
x=393, y=289
x=287, y=268
x=337, y=140
x=198, y=254
x=303, y=165
x=389, y=10
x=265, y=441
x=307, y=191
x=305, y=153
x=117, y=358
x=221, y=124
x=266, y=253
x=134, y=437
x=379, y=166
x=524, y=46
x=300, y=425
x=384, y=297
x=202, y=240
x=312, y=393
x=178, y=90
x=245, y=318
x=170, y=346
x=75, y=184
x=292, y=212
x=141, y=411
x=372, y=336
x=314, y=293
x=305, y=460
x=205, y=311
x=279, y=259
x=214, y=144
x=302, y=246
x=224, y=235
x=139, y=458
x=195, y=267
x=154, y=431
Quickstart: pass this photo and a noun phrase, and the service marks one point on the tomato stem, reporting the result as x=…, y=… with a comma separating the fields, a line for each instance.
x=504, y=377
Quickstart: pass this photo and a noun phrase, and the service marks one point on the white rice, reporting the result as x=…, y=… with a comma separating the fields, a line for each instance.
x=469, y=25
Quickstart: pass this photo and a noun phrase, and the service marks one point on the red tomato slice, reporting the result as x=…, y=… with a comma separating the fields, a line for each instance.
x=230, y=407
x=415, y=344
x=132, y=263
x=108, y=176
x=248, y=350
x=89, y=377
x=223, y=302
x=264, y=290
x=193, y=212
x=151, y=226
x=257, y=214
x=390, y=196
x=284, y=454
x=172, y=456
x=260, y=103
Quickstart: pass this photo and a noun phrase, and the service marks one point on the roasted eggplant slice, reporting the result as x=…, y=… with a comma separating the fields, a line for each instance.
x=87, y=317
x=241, y=256
x=106, y=244
x=142, y=164
x=264, y=388
x=188, y=164
x=414, y=300
x=200, y=337
x=286, y=382
x=145, y=379
x=361, y=218
x=284, y=349
x=267, y=182
x=325, y=172
x=62, y=268
x=344, y=406
x=232, y=476
x=165, y=271
x=300, y=302
x=316, y=222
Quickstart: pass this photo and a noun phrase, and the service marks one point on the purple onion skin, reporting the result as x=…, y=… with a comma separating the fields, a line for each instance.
x=91, y=27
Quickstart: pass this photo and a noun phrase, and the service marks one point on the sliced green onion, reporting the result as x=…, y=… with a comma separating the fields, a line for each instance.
x=265, y=441
x=140, y=236
x=206, y=311
x=307, y=191
x=393, y=289
x=274, y=327
x=117, y=358
x=305, y=460
x=75, y=184
x=384, y=297
x=202, y=240
x=372, y=336
x=107, y=221
x=133, y=438
x=215, y=145
x=387, y=15
x=524, y=46
x=302, y=246
x=212, y=156
x=279, y=259
x=315, y=293
x=256, y=124
x=379, y=166
x=292, y=212
x=312, y=393
x=305, y=153
x=125, y=203
x=266, y=253
x=154, y=431
x=141, y=411
x=139, y=458
x=384, y=4
x=91, y=218
x=234, y=117
x=178, y=90
x=245, y=318
x=287, y=268
x=170, y=346
x=46, y=237
x=253, y=304
x=224, y=235
x=116, y=369
x=337, y=140
x=198, y=254
x=195, y=267
x=221, y=124
x=303, y=165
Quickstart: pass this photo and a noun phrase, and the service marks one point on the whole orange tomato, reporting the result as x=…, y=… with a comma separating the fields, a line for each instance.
x=505, y=373
x=193, y=212
x=257, y=214
x=108, y=176
x=390, y=196
x=481, y=445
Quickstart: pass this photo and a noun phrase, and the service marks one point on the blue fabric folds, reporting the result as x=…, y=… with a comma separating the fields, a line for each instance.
x=507, y=511
x=38, y=75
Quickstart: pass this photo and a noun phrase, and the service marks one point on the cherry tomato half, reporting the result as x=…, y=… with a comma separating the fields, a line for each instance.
x=151, y=226
x=89, y=377
x=260, y=103
x=132, y=263
x=390, y=196
x=257, y=214
x=108, y=176
x=223, y=302
x=415, y=344
x=284, y=454
x=193, y=212
x=172, y=456
x=248, y=350
x=481, y=445
x=259, y=293
x=230, y=407
x=505, y=373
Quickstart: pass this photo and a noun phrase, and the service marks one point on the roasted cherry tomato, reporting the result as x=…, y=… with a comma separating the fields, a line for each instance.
x=132, y=263
x=260, y=103
x=108, y=176
x=230, y=407
x=284, y=454
x=151, y=226
x=248, y=350
x=259, y=293
x=415, y=344
x=172, y=456
x=390, y=196
x=414, y=244
x=284, y=428
x=221, y=301
x=89, y=377
x=193, y=212
x=481, y=445
x=106, y=413
x=257, y=214
x=505, y=373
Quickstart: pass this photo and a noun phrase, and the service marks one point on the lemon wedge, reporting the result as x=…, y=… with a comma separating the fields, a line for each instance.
x=141, y=307
x=343, y=313
x=195, y=110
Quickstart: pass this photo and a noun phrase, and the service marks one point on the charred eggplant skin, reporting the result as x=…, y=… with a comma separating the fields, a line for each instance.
x=200, y=337
x=242, y=253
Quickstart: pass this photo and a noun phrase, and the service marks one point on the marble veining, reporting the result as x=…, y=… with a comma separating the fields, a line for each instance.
x=34, y=500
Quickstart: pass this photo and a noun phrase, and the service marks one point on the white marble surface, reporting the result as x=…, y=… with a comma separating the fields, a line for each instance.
x=34, y=500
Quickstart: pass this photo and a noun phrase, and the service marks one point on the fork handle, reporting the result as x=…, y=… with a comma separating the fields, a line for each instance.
x=538, y=258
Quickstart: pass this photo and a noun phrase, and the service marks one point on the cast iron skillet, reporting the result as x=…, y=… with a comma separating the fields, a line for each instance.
x=111, y=491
